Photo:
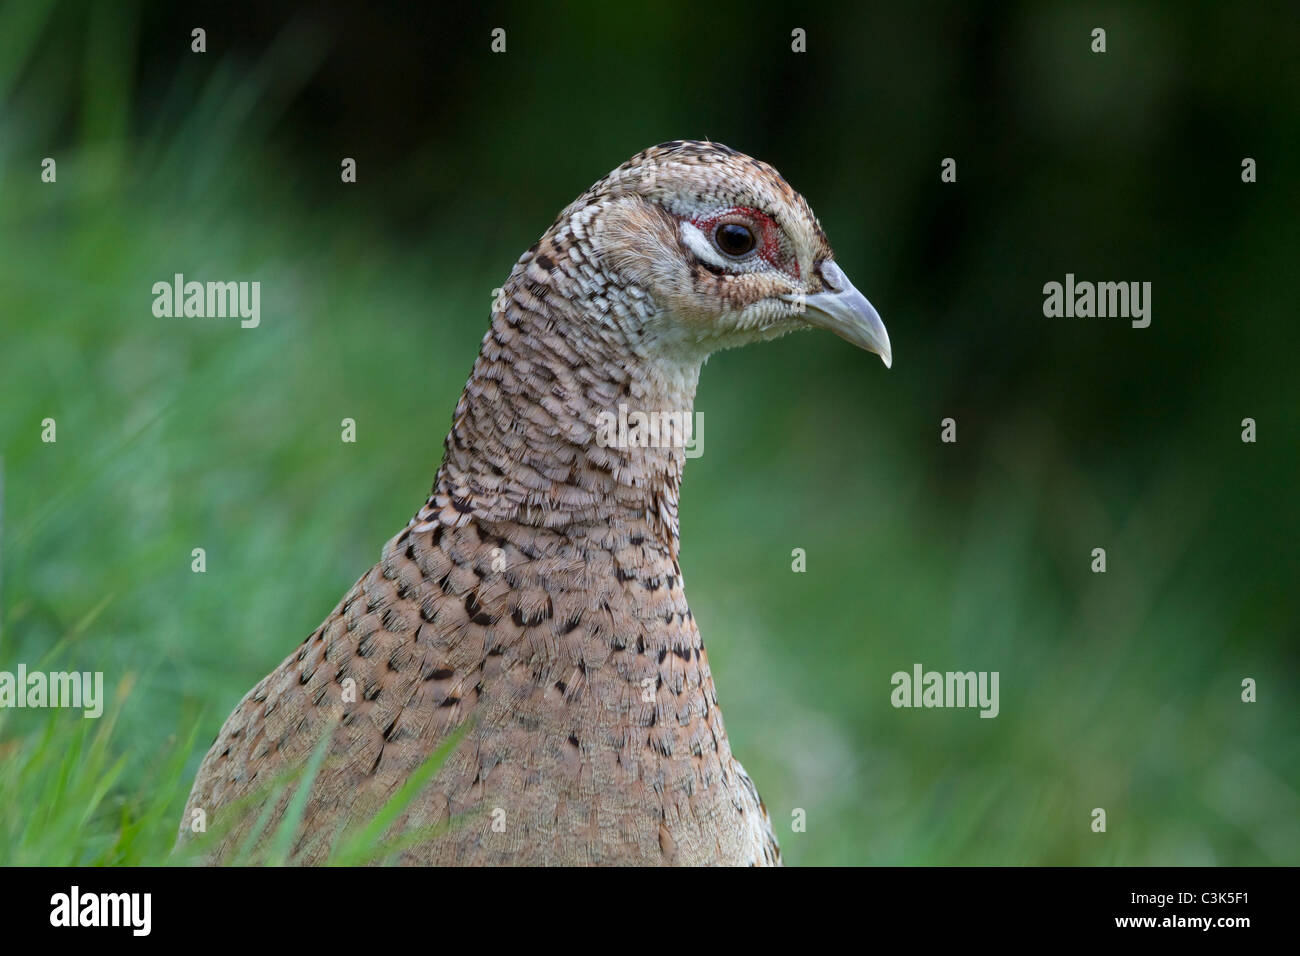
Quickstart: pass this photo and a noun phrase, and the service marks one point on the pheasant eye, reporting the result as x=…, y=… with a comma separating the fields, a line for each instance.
x=734, y=239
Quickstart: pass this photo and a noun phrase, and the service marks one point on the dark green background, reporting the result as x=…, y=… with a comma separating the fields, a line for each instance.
x=1119, y=691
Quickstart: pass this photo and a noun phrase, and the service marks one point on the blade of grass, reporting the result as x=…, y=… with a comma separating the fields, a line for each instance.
x=359, y=846
x=283, y=841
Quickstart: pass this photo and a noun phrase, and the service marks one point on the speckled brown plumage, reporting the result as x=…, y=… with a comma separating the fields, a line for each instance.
x=538, y=594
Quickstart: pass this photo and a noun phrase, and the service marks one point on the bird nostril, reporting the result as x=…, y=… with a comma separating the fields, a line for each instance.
x=833, y=276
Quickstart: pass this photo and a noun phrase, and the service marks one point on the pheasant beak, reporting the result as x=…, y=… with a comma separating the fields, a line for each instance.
x=844, y=310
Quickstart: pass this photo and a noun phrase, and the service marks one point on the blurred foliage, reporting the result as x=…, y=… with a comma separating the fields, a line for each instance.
x=1118, y=691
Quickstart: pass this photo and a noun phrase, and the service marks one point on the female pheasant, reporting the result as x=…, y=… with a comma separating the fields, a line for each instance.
x=536, y=599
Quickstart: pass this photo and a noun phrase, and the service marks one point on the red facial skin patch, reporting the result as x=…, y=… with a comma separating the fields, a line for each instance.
x=765, y=229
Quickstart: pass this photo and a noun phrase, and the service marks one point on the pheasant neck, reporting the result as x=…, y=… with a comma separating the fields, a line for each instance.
x=568, y=422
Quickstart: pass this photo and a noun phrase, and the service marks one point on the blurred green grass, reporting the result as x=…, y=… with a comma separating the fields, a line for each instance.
x=1118, y=691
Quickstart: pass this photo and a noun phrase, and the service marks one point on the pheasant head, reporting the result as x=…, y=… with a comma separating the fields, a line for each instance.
x=726, y=251
x=685, y=249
